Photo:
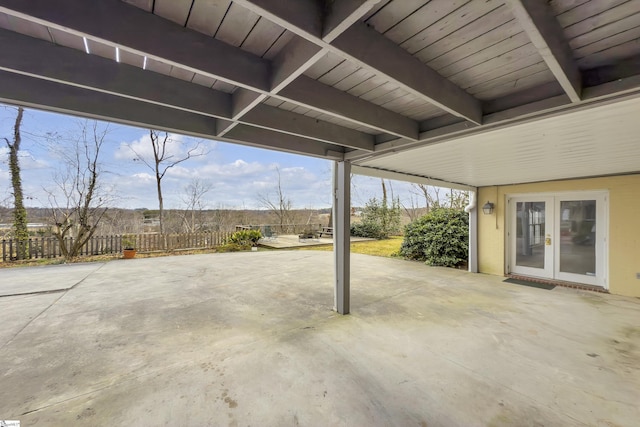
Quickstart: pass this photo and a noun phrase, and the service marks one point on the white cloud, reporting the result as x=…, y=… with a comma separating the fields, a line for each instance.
x=236, y=169
x=28, y=161
x=142, y=147
x=144, y=177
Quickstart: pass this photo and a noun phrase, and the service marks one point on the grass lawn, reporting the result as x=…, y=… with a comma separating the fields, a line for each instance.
x=385, y=248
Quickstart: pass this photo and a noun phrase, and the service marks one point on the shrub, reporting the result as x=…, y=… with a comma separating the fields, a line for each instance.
x=379, y=220
x=367, y=229
x=439, y=238
x=245, y=237
x=128, y=241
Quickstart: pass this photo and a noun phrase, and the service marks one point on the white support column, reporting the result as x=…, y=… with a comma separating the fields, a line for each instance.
x=341, y=235
x=472, y=210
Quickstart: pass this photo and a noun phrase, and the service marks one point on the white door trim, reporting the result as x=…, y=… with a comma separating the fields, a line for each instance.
x=552, y=222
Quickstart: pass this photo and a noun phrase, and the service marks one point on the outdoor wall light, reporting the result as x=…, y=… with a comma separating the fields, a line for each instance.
x=487, y=208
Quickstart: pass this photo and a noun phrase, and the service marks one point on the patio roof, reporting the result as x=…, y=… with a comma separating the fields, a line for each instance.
x=493, y=82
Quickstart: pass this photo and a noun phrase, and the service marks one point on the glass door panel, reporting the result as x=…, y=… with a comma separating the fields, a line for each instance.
x=578, y=237
x=582, y=228
x=530, y=232
x=531, y=243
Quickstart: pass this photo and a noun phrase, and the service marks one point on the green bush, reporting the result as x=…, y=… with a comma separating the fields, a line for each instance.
x=378, y=220
x=367, y=229
x=439, y=238
x=245, y=237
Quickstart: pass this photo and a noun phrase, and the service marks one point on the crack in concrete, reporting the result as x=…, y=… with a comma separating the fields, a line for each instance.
x=64, y=292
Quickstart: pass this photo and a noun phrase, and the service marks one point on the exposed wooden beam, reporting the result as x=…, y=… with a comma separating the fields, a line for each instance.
x=61, y=98
x=298, y=124
x=242, y=100
x=118, y=24
x=538, y=21
x=43, y=59
x=57, y=97
x=304, y=14
x=293, y=60
x=300, y=54
x=340, y=15
x=264, y=138
x=146, y=34
x=38, y=58
x=372, y=50
x=318, y=96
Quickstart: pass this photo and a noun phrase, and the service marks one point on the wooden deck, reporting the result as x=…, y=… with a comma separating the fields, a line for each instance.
x=292, y=241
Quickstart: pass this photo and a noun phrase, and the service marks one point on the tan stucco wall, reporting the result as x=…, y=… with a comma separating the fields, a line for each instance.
x=624, y=226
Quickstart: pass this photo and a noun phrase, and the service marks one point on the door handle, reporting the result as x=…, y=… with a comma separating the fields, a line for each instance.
x=547, y=240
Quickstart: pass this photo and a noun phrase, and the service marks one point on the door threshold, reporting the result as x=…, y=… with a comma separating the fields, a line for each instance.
x=562, y=283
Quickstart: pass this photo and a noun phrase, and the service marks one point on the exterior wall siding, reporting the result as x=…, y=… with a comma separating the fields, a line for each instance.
x=623, y=233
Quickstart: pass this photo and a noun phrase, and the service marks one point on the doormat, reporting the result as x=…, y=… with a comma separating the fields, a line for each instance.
x=530, y=284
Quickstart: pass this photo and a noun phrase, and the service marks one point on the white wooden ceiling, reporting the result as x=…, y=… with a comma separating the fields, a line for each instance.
x=603, y=140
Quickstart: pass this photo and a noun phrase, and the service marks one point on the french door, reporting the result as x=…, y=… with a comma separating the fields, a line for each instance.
x=559, y=237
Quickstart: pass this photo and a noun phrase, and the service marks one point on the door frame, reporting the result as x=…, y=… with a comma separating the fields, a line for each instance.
x=602, y=233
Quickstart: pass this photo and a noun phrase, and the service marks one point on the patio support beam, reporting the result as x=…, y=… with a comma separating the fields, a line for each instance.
x=341, y=235
x=546, y=34
x=472, y=209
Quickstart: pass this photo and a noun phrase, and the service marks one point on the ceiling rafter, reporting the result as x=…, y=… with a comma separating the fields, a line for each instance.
x=300, y=54
x=42, y=59
x=370, y=49
x=33, y=92
x=146, y=34
x=546, y=34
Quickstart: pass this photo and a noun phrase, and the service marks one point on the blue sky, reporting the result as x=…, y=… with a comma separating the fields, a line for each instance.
x=237, y=174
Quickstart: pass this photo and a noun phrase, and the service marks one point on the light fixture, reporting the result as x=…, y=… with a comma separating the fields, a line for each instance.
x=487, y=208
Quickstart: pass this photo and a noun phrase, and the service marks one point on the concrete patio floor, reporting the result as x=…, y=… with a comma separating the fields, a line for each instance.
x=249, y=339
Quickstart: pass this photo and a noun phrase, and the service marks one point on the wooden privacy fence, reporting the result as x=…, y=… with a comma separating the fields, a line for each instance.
x=49, y=247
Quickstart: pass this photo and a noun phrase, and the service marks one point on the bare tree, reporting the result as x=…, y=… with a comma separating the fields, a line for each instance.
x=163, y=160
x=192, y=197
x=21, y=232
x=457, y=199
x=78, y=201
x=281, y=207
x=431, y=195
x=411, y=209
